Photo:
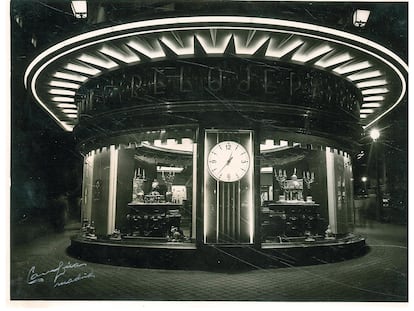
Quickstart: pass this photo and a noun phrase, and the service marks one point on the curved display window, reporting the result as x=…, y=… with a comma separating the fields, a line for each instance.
x=145, y=189
x=142, y=191
x=305, y=191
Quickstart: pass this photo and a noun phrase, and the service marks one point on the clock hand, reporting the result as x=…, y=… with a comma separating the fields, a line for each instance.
x=223, y=167
x=227, y=163
x=230, y=158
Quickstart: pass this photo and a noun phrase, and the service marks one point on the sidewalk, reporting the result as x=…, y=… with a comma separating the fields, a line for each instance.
x=380, y=275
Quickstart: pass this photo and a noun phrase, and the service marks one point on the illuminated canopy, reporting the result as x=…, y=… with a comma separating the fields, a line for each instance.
x=55, y=76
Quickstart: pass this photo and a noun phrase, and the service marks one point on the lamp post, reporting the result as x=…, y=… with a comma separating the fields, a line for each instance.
x=79, y=8
x=375, y=134
x=360, y=18
x=364, y=180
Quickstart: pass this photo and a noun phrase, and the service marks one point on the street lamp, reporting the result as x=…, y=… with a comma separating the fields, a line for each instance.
x=79, y=8
x=360, y=18
x=375, y=135
x=364, y=180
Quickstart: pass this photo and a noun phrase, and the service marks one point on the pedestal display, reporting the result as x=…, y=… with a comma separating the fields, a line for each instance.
x=153, y=214
x=295, y=214
x=153, y=219
x=284, y=219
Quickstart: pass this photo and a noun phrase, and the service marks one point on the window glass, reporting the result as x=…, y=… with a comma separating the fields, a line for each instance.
x=155, y=182
x=294, y=193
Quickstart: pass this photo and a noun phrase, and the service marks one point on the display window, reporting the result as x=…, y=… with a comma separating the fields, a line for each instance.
x=143, y=191
x=305, y=191
x=246, y=189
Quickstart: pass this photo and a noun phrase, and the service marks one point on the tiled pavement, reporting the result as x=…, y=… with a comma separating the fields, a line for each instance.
x=380, y=275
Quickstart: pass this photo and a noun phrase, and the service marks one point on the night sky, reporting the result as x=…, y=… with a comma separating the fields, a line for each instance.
x=44, y=159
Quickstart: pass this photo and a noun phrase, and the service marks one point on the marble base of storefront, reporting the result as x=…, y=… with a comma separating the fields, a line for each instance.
x=189, y=256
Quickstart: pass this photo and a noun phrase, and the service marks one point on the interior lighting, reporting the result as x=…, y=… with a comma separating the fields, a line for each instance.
x=187, y=141
x=200, y=19
x=63, y=105
x=305, y=56
x=251, y=183
x=123, y=57
x=375, y=91
x=61, y=92
x=83, y=69
x=365, y=75
x=143, y=47
x=213, y=47
x=371, y=83
x=101, y=62
x=329, y=60
x=268, y=145
x=373, y=98
x=63, y=99
x=169, y=169
x=70, y=76
x=180, y=46
x=171, y=142
x=266, y=170
x=69, y=111
x=67, y=85
x=371, y=105
x=346, y=68
x=283, y=49
x=366, y=111
x=249, y=48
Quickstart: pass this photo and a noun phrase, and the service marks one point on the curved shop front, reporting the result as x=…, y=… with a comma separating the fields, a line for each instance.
x=216, y=134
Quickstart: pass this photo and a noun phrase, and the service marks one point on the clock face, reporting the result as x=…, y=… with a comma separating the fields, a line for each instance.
x=228, y=161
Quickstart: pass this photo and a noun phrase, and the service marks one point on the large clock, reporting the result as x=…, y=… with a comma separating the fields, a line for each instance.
x=228, y=161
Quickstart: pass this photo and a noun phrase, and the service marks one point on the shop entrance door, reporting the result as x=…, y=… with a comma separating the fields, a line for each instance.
x=228, y=187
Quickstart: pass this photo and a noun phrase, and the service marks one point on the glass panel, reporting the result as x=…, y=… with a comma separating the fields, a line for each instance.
x=340, y=192
x=155, y=191
x=293, y=190
x=100, y=192
x=144, y=190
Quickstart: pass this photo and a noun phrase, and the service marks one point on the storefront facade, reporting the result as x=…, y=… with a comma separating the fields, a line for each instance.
x=217, y=130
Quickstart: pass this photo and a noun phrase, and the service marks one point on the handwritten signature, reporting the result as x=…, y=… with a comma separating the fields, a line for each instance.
x=59, y=275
